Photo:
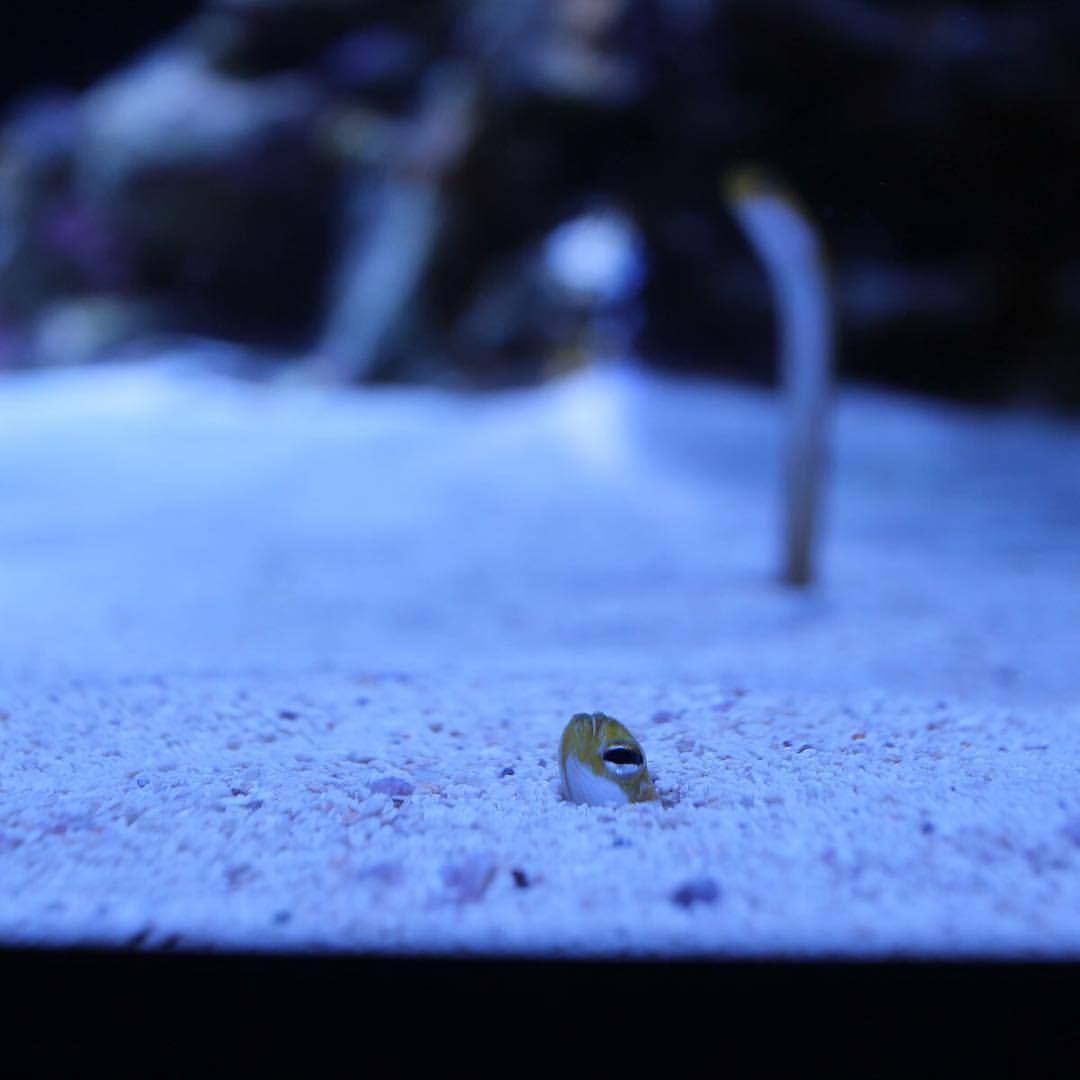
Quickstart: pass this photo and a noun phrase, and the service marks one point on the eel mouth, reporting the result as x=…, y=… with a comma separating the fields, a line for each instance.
x=624, y=755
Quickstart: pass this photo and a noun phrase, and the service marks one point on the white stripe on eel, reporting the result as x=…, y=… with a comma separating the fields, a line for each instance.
x=582, y=785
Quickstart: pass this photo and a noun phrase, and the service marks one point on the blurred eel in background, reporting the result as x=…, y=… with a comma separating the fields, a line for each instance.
x=787, y=243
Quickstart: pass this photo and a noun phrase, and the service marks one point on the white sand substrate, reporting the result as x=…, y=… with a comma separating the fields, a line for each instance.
x=284, y=667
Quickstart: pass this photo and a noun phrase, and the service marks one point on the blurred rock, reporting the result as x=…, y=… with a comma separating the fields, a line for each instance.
x=380, y=61
x=40, y=133
x=357, y=45
x=37, y=148
x=696, y=891
x=392, y=785
x=217, y=189
x=469, y=879
x=89, y=328
x=171, y=112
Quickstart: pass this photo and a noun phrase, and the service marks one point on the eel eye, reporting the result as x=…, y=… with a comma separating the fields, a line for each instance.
x=623, y=755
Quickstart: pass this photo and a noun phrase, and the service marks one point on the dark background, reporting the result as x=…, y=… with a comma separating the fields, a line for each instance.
x=938, y=144
x=521, y=1018
x=68, y=43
